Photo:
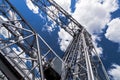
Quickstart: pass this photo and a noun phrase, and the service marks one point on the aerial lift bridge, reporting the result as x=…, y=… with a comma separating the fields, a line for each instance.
x=24, y=54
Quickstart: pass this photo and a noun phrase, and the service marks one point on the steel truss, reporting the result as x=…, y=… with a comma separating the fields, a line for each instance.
x=21, y=46
x=81, y=59
x=29, y=54
x=2, y=76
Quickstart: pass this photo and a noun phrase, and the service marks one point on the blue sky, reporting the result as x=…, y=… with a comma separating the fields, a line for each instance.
x=100, y=17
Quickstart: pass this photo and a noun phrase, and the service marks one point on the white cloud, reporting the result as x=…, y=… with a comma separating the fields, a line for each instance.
x=115, y=72
x=94, y=15
x=113, y=31
x=49, y=27
x=64, y=39
x=110, y=5
x=32, y=7
x=98, y=48
x=35, y=9
x=65, y=4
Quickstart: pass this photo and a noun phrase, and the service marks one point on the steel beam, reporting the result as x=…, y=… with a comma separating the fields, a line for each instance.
x=9, y=70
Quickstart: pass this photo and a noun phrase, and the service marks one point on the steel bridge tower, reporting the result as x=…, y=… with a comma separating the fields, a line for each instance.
x=24, y=54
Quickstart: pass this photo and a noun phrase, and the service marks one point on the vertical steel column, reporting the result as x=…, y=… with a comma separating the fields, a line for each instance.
x=87, y=59
x=39, y=58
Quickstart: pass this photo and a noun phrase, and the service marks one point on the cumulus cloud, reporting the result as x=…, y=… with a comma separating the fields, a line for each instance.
x=32, y=7
x=98, y=48
x=94, y=15
x=64, y=3
x=113, y=31
x=115, y=72
x=49, y=26
x=64, y=39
